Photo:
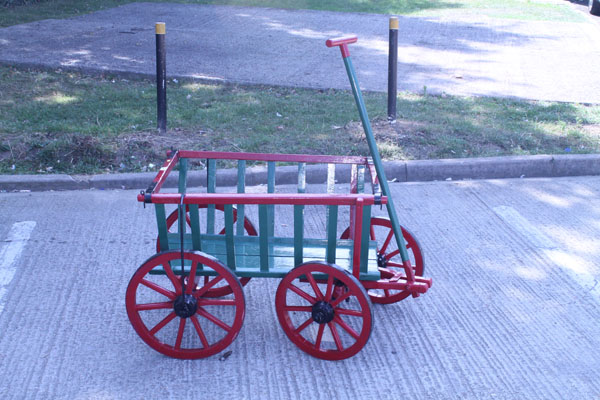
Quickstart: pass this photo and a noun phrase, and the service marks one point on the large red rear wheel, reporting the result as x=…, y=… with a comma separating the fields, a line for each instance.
x=248, y=227
x=324, y=310
x=388, y=258
x=175, y=316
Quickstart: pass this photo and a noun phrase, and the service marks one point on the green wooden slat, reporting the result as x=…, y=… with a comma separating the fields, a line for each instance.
x=353, y=177
x=241, y=188
x=298, y=234
x=366, y=234
x=332, y=220
x=161, y=222
x=332, y=216
x=263, y=232
x=183, y=169
x=229, y=236
x=299, y=218
x=211, y=183
x=361, y=178
x=271, y=189
x=195, y=227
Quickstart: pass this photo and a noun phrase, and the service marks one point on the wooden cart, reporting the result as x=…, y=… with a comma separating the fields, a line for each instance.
x=187, y=300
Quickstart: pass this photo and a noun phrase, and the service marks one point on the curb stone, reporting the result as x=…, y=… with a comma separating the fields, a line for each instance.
x=398, y=171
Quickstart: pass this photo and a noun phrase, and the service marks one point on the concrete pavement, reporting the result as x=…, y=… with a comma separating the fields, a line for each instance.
x=512, y=313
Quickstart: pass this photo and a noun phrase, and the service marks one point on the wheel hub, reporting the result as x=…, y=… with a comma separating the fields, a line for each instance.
x=322, y=312
x=185, y=306
x=381, y=260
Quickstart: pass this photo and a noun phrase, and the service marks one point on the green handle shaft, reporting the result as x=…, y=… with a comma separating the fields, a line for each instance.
x=360, y=104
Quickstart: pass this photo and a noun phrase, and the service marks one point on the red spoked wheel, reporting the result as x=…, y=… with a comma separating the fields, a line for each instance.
x=177, y=318
x=324, y=310
x=248, y=227
x=389, y=260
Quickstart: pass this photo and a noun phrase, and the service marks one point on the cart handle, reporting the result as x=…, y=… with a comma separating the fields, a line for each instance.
x=343, y=42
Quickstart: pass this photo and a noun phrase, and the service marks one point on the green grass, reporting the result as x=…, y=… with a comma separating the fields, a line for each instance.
x=72, y=123
x=514, y=9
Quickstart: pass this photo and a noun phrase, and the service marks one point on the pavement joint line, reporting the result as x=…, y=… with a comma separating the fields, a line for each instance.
x=537, y=166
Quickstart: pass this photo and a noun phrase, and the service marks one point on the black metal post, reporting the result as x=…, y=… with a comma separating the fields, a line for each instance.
x=161, y=78
x=393, y=69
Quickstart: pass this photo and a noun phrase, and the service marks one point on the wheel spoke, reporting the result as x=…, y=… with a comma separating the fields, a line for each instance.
x=394, y=253
x=395, y=264
x=216, y=302
x=159, y=289
x=314, y=286
x=215, y=320
x=336, y=336
x=329, y=291
x=154, y=306
x=352, y=313
x=298, y=308
x=176, y=282
x=200, y=332
x=303, y=326
x=207, y=286
x=387, y=241
x=191, y=284
x=302, y=294
x=163, y=323
x=180, y=333
x=343, y=297
x=319, y=336
x=346, y=327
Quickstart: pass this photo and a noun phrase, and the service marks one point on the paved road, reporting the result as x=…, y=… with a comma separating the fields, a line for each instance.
x=491, y=57
x=513, y=312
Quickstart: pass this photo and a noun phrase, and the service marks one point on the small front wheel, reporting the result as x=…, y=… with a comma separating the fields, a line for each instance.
x=171, y=311
x=320, y=318
x=389, y=260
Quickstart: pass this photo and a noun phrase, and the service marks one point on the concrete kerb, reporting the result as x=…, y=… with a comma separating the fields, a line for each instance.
x=397, y=171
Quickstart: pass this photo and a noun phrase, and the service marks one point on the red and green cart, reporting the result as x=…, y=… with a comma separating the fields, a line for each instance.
x=187, y=301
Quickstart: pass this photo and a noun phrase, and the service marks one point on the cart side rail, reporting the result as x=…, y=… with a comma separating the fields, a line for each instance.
x=263, y=198
x=294, y=158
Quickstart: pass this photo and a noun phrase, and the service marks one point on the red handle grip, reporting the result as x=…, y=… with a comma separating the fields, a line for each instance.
x=343, y=42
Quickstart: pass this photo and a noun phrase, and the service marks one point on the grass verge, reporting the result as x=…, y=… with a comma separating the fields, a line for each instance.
x=513, y=9
x=72, y=123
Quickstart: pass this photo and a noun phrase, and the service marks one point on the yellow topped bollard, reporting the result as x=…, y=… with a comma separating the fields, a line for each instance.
x=161, y=78
x=393, y=69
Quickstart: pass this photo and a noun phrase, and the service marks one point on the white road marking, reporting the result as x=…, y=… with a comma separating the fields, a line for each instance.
x=16, y=241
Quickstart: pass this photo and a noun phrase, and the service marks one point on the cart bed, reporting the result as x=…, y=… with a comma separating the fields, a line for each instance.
x=280, y=254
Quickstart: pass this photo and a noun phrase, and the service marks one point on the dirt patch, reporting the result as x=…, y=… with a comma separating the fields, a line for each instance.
x=74, y=153
x=411, y=138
